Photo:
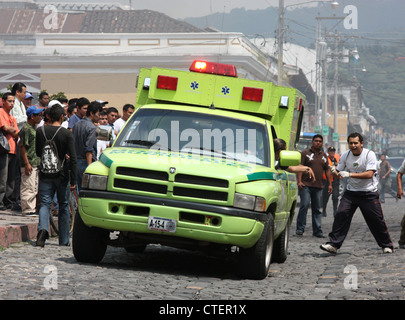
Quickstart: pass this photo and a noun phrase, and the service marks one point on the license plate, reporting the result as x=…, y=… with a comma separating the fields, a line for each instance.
x=162, y=224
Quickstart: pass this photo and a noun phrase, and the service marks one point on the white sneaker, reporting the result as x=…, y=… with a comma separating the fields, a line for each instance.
x=329, y=248
x=387, y=250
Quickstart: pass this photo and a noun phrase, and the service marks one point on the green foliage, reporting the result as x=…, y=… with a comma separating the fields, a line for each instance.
x=383, y=84
x=59, y=95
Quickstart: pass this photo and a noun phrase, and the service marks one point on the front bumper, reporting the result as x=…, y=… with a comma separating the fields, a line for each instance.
x=197, y=221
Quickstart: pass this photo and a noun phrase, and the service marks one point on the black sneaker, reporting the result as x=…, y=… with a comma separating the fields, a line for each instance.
x=31, y=214
x=41, y=237
x=16, y=207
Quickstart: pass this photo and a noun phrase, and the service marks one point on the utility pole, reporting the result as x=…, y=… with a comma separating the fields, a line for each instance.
x=335, y=78
x=280, y=38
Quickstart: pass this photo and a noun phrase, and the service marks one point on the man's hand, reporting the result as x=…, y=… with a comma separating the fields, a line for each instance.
x=345, y=174
x=310, y=173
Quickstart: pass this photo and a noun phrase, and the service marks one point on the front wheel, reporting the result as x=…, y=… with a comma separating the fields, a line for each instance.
x=255, y=261
x=89, y=243
x=281, y=244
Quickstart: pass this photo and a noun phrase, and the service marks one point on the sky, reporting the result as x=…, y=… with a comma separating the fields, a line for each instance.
x=181, y=9
x=197, y=8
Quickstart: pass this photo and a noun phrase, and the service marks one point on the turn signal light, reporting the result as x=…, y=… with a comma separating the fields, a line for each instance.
x=252, y=94
x=214, y=68
x=167, y=83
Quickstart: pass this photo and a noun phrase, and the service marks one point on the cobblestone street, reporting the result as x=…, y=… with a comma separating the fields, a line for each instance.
x=359, y=271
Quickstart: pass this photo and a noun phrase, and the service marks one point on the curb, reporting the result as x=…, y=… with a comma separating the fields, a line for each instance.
x=17, y=232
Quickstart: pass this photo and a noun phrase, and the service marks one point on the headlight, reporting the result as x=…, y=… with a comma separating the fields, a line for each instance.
x=94, y=182
x=248, y=202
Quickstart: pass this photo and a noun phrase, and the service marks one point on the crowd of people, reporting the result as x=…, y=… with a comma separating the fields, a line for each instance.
x=49, y=145
x=367, y=182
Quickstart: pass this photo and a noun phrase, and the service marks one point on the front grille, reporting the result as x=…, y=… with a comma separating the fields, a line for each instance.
x=185, y=178
x=142, y=173
x=157, y=182
x=140, y=186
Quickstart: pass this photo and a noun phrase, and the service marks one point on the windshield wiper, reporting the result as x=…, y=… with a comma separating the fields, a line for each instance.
x=146, y=143
x=215, y=151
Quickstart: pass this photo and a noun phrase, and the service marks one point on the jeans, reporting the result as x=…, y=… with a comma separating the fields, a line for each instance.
x=313, y=196
x=7, y=178
x=47, y=190
x=3, y=176
x=326, y=196
x=385, y=186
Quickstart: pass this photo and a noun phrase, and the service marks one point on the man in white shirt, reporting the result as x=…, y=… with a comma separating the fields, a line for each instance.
x=127, y=111
x=360, y=166
x=19, y=91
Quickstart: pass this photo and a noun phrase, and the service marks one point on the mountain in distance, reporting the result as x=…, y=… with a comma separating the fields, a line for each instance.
x=379, y=39
x=376, y=19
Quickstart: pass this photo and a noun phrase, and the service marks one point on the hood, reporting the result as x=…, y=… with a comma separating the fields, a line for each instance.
x=176, y=163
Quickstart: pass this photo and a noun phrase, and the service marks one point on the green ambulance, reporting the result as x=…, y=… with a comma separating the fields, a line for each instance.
x=194, y=168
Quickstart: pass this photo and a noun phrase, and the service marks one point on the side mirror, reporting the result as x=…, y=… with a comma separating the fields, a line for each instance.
x=289, y=158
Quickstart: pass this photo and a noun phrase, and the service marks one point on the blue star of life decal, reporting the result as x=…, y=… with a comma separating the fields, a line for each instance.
x=225, y=90
x=194, y=85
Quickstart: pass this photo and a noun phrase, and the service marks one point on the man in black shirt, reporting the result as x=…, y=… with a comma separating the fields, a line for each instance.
x=56, y=182
x=84, y=134
x=310, y=190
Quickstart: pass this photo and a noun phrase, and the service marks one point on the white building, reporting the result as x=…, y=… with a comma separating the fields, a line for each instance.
x=98, y=54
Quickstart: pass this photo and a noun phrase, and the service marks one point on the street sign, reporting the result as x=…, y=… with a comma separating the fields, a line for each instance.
x=325, y=130
x=335, y=136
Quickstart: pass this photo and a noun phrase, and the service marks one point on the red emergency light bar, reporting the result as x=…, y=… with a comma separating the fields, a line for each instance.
x=252, y=94
x=167, y=83
x=214, y=68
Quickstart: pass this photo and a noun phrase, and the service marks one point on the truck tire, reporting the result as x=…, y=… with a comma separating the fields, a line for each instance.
x=281, y=244
x=89, y=243
x=255, y=261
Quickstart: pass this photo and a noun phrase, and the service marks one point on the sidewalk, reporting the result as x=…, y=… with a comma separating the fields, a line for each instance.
x=16, y=228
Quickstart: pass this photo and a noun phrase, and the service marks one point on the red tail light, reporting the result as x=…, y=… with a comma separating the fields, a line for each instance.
x=167, y=83
x=214, y=68
x=252, y=94
x=300, y=105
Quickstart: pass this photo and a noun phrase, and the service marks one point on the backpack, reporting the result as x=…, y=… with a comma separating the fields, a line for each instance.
x=50, y=162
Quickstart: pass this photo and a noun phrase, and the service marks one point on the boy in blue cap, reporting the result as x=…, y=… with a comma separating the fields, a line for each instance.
x=29, y=161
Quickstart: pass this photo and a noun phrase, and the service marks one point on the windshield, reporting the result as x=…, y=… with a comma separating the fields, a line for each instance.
x=197, y=133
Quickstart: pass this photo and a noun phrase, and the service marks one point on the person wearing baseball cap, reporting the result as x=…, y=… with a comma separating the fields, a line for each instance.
x=55, y=102
x=29, y=162
x=46, y=112
x=27, y=101
x=33, y=110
